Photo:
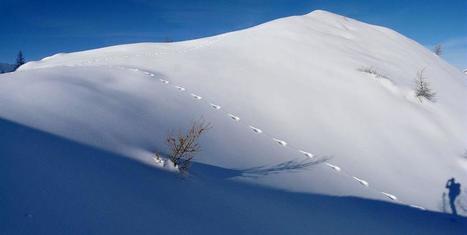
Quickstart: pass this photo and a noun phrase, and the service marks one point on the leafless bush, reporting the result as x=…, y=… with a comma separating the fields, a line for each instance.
x=373, y=71
x=438, y=49
x=183, y=146
x=422, y=87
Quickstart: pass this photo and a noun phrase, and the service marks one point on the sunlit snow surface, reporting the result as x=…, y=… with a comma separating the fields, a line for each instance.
x=285, y=99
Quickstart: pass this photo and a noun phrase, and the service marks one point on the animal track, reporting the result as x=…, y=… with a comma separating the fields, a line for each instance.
x=362, y=182
x=257, y=130
x=196, y=96
x=215, y=106
x=180, y=88
x=306, y=154
x=281, y=142
x=418, y=207
x=164, y=81
x=390, y=196
x=235, y=118
x=334, y=167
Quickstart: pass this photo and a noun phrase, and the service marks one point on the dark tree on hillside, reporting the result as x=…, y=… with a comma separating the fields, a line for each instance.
x=19, y=60
x=438, y=49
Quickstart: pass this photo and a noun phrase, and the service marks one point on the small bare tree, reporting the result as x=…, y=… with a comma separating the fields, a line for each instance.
x=438, y=49
x=183, y=146
x=422, y=87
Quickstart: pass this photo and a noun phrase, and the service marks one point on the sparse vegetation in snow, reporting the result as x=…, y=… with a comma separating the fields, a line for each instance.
x=422, y=87
x=183, y=146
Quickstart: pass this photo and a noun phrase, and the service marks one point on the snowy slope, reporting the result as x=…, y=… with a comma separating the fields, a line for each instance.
x=297, y=79
x=54, y=186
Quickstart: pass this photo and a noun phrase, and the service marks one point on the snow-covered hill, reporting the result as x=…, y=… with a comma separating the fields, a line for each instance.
x=290, y=107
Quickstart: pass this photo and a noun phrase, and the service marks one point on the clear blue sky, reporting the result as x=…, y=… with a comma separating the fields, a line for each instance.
x=42, y=28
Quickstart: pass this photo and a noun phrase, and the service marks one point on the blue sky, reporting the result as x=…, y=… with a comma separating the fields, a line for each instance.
x=42, y=28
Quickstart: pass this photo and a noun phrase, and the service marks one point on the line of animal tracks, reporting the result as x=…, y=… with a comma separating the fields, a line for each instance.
x=256, y=130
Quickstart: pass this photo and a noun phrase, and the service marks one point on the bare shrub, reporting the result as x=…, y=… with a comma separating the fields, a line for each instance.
x=422, y=87
x=372, y=71
x=438, y=49
x=183, y=146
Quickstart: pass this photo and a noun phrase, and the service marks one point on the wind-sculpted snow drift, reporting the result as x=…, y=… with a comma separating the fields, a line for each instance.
x=288, y=90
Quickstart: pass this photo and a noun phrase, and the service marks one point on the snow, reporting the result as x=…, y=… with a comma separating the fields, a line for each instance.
x=180, y=88
x=256, y=130
x=362, y=182
x=56, y=186
x=334, y=167
x=311, y=122
x=390, y=196
x=280, y=142
x=215, y=106
x=306, y=154
x=196, y=96
x=235, y=118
